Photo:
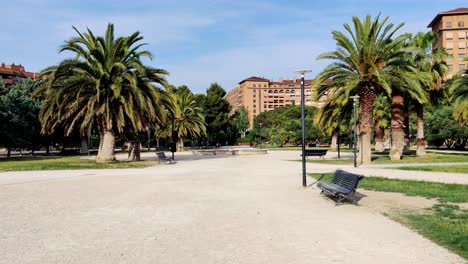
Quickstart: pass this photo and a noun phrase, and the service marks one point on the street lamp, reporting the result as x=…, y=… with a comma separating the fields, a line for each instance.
x=338, y=132
x=260, y=133
x=354, y=97
x=302, y=73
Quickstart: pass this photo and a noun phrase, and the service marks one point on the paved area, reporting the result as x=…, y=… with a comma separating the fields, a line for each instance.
x=234, y=209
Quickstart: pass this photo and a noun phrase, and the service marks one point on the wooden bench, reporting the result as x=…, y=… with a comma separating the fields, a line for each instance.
x=316, y=152
x=162, y=157
x=342, y=186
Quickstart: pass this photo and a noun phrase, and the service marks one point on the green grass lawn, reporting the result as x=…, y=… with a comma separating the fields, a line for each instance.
x=445, y=224
x=451, y=168
x=411, y=158
x=65, y=163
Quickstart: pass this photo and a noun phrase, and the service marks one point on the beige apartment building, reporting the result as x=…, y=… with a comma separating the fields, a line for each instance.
x=452, y=29
x=259, y=94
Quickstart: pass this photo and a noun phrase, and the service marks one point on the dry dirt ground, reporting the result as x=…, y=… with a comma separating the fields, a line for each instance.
x=231, y=209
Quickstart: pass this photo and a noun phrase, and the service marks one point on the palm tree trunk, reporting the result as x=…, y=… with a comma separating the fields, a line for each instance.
x=106, y=147
x=181, y=144
x=366, y=103
x=406, y=127
x=8, y=152
x=135, y=153
x=84, y=145
x=420, y=141
x=379, y=139
x=398, y=119
x=334, y=141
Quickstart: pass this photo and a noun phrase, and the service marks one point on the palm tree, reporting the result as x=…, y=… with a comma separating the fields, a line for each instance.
x=187, y=119
x=381, y=117
x=459, y=96
x=433, y=62
x=105, y=85
x=366, y=62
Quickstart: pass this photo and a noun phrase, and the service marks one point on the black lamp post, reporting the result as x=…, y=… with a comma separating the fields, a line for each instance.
x=354, y=97
x=303, y=72
x=338, y=132
x=260, y=133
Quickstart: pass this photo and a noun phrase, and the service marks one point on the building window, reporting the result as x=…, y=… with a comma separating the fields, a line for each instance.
x=254, y=101
x=461, y=24
x=461, y=35
x=254, y=95
x=287, y=91
x=450, y=67
x=449, y=24
x=450, y=57
x=264, y=85
x=449, y=35
x=264, y=106
x=461, y=45
x=254, y=111
x=461, y=56
x=449, y=45
x=254, y=85
x=461, y=67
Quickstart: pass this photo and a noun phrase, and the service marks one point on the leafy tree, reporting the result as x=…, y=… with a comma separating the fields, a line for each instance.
x=367, y=60
x=105, y=85
x=19, y=123
x=216, y=110
x=443, y=129
x=241, y=120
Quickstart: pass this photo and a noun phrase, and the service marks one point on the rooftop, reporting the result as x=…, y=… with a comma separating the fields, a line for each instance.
x=458, y=11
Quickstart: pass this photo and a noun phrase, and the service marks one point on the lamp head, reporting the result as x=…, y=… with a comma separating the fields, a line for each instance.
x=354, y=97
x=302, y=72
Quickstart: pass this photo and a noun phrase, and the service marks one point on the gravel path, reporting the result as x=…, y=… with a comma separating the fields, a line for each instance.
x=235, y=209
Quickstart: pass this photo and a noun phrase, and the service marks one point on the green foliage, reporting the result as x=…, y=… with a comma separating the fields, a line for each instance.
x=283, y=125
x=216, y=111
x=240, y=120
x=19, y=123
x=451, y=168
x=442, y=129
x=65, y=163
x=382, y=111
x=459, y=95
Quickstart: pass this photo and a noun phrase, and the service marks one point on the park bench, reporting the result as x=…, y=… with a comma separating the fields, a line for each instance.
x=162, y=157
x=316, y=152
x=342, y=186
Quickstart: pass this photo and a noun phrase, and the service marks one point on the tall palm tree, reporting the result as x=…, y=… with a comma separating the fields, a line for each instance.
x=432, y=61
x=187, y=119
x=459, y=96
x=105, y=85
x=366, y=61
x=381, y=120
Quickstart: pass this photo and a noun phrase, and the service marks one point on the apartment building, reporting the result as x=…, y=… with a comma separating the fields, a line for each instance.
x=452, y=29
x=9, y=74
x=258, y=95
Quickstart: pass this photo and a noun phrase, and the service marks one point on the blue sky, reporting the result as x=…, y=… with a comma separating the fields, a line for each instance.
x=200, y=42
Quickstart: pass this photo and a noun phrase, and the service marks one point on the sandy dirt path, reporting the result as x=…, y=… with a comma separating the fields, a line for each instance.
x=236, y=209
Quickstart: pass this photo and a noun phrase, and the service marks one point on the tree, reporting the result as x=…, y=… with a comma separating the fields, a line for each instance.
x=19, y=123
x=366, y=62
x=241, y=120
x=187, y=119
x=381, y=117
x=105, y=85
x=459, y=96
x=443, y=129
x=433, y=62
x=216, y=110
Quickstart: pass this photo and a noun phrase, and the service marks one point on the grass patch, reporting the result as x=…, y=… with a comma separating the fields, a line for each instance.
x=444, y=192
x=334, y=161
x=65, y=163
x=446, y=224
x=429, y=158
x=451, y=168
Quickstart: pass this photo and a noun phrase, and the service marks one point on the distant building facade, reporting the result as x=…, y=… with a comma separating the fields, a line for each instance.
x=452, y=29
x=9, y=74
x=258, y=95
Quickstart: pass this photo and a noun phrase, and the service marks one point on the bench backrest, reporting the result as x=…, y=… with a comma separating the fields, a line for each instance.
x=320, y=151
x=346, y=179
x=162, y=155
